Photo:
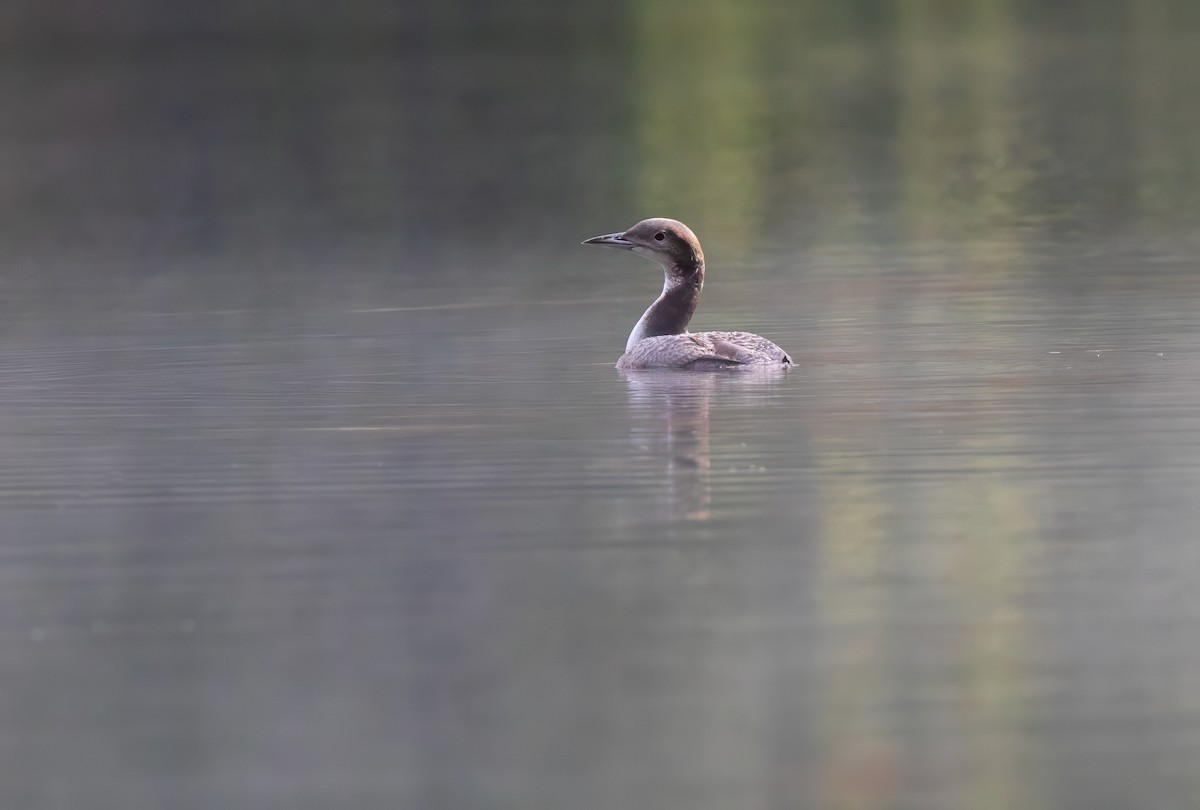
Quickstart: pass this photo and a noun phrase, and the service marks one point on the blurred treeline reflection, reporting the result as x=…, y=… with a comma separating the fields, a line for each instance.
x=387, y=127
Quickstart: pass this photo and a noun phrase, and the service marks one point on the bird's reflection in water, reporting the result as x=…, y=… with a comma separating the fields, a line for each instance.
x=675, y=436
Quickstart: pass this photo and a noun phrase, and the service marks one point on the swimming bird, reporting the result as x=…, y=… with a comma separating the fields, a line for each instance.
x=660, y=339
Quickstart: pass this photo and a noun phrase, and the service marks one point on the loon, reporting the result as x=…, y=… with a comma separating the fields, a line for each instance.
x=661, y=339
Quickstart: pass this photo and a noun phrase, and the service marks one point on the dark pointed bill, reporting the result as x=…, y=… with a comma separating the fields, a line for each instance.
x=610, y=239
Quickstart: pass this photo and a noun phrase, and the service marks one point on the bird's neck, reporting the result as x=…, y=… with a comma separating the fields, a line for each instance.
x=673, y=309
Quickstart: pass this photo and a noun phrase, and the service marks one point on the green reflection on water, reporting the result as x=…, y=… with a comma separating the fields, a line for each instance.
x=928, y=121
x=737, y=129
x=701, y=112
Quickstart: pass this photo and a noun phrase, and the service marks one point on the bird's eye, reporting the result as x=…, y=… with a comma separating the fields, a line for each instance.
x=658, y=237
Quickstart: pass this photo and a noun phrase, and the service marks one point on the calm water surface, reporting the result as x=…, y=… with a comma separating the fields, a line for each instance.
x=318, y=486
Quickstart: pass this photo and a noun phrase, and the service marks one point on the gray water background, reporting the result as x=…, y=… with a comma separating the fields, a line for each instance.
x=318, y=487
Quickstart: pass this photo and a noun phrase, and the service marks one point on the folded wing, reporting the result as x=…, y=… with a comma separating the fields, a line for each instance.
x=704, y=350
